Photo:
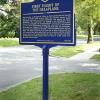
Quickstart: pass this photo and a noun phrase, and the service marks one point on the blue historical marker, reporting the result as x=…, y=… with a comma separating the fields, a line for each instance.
x=47, y=23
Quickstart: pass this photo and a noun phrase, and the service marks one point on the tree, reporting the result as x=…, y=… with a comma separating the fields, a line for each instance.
x=9, y=24
x=89, y=16
x=2, y=2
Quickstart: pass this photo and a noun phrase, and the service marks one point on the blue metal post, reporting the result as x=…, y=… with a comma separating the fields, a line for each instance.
x=45, y=71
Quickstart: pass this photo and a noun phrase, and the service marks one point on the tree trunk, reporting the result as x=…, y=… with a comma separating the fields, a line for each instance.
x=90, y=32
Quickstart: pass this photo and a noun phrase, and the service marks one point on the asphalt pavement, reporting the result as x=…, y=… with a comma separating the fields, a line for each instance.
x=18, y=64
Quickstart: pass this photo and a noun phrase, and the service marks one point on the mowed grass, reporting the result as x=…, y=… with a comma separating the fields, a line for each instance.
x=69, y=51
x=96, y=57
x=82, y=36
x=85, y=36
x=4, y=42
x=73, y=86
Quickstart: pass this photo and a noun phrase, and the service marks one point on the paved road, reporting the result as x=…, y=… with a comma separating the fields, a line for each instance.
x=18, y=64
x=96, y=38
x=81, y=41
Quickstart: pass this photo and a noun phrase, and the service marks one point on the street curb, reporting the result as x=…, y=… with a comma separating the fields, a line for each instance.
x=12, y=86
x=19, y=83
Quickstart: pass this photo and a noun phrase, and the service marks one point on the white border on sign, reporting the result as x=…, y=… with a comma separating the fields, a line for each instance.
x=44, y=0
x=63, y=43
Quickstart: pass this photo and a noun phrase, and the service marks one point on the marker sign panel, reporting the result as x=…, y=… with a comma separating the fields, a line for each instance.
x=47, y=22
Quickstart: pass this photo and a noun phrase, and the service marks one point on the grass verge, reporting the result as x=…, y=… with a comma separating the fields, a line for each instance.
x=67, y=51
x=96, y=57
x=61, y=87
x=82, y=37
x=71, y=51
x=8, y=42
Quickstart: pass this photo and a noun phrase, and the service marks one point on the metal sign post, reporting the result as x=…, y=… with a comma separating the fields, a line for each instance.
x=47, y=23
x=45, y=71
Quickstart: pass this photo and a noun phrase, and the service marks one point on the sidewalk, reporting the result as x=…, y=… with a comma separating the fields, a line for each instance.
x=86, y=55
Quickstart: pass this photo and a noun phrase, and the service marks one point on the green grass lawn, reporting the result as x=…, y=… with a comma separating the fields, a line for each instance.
x=8, y=42
x=82, y=37
x=61, y=87
x=67, y=51
x=96, y=57
x=72, y=50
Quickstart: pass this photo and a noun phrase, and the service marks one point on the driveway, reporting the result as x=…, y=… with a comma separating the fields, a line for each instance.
x=18, y=64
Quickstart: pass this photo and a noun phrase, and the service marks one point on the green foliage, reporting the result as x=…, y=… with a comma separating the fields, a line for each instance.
x=2, y=2
x=87, y=10
x=9, y=25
